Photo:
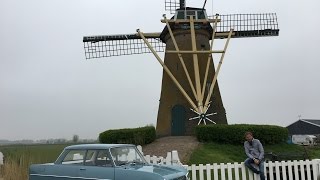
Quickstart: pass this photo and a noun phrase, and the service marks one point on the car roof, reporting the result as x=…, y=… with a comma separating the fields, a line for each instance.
x=97, y=146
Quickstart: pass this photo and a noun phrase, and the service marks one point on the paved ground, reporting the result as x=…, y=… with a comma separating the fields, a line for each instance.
x=183, y=144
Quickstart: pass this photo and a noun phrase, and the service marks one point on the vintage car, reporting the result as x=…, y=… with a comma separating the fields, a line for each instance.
x=104, y=162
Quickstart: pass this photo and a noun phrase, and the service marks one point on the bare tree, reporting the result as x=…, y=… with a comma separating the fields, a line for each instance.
x=75, y=138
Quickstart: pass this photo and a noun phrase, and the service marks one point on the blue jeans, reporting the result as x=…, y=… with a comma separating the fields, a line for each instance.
x=248, y=162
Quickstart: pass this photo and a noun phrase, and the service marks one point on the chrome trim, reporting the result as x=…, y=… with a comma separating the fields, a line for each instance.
x=70, y=177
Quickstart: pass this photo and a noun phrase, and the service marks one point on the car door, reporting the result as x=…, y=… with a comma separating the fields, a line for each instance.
x=61, y=172
x=67, y=169
x=97, y=165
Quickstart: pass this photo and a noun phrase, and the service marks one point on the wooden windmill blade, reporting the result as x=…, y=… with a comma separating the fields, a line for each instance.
x=244, y=25
x=173, y=5
x=248, y=25
x=120, y=44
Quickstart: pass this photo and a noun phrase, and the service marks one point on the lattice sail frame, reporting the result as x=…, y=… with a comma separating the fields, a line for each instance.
x=118, y=45
x=244, y=25
x=249, y=25
x=171, y=6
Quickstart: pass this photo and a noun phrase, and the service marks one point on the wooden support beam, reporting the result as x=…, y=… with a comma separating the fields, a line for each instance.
x=180, y=58
x=210, y=57
x=196, y=65
x=151, y=35
x=166, y=69
x=187, y=21
x=222, y=35
x=194, y=52
x=216, y=73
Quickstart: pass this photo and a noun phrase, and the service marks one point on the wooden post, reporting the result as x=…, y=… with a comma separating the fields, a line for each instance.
x=208, y=171
x=201, y=174
x=283, y=170
x=277, y=169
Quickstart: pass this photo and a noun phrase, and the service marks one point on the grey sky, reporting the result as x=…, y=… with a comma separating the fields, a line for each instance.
x=49, y=90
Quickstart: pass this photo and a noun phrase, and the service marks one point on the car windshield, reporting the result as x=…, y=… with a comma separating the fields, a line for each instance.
x=126, y=156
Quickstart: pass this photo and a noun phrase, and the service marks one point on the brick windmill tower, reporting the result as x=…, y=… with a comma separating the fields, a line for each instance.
x=190, y=93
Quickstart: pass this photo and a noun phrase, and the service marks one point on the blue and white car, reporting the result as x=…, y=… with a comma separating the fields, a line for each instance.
x=104, y=162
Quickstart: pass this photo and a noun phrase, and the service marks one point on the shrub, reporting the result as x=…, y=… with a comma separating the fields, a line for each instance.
x=234, y=134
x=137, y=136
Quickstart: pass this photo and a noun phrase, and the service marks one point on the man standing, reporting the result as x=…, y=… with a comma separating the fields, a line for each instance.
x=255, y=153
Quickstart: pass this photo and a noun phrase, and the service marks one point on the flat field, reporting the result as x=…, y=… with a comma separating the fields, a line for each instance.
x=19, y=157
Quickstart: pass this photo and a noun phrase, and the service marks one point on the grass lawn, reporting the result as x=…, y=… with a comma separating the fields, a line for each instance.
x=208, y=153
x=314, y=152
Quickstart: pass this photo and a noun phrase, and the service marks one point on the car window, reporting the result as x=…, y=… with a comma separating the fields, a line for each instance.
x=98, y=158
x=126, y=155
x=74, y=157
x=103, y=158
x=90, y=159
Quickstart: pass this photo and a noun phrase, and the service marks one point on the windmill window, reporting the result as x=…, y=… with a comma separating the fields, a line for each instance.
x=180, y=15
x=191, y=13
x=201, y=15
x=186, y=14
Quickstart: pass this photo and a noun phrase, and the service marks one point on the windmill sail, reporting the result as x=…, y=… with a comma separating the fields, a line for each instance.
x=248, y=25
x=244, y=25
x=171, y=6
x=118, y=45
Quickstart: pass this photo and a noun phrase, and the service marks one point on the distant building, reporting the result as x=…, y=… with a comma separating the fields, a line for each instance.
x=304, y=127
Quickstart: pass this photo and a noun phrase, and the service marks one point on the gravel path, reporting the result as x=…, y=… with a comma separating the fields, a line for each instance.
x=183, y=144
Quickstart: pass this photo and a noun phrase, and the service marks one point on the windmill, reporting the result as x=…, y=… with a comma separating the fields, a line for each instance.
x=190, y=93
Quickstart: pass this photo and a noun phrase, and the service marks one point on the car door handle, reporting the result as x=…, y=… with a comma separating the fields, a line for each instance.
x=82, y=169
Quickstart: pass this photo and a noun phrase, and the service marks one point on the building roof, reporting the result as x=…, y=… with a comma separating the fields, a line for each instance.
x=315, y=122
x=312, y=121
x=304, y=127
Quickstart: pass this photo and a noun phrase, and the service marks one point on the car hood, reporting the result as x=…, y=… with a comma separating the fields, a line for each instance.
x=162, y=170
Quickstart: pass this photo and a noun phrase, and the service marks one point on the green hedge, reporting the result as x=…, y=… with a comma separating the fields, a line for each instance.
x=234, y=134
x=137, y=136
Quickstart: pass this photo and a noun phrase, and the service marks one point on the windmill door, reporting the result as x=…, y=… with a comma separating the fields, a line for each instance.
x=178, y=116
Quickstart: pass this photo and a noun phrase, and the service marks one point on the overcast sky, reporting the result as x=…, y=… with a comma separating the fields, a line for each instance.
x=49, y=90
